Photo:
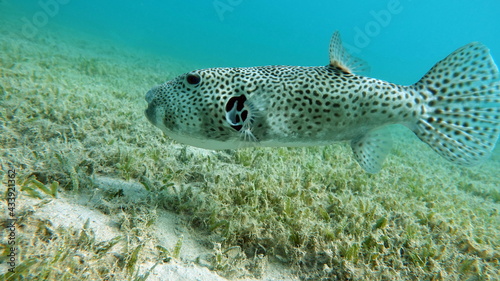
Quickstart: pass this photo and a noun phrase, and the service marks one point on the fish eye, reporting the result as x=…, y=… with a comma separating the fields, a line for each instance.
x=193, y=78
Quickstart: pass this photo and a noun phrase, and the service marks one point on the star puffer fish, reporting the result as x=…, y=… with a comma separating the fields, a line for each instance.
x=454, y=108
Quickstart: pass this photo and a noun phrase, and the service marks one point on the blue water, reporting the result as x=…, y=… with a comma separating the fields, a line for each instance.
x=400, y=39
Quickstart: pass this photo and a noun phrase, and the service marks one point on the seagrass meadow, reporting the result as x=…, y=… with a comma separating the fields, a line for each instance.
x=72, y=115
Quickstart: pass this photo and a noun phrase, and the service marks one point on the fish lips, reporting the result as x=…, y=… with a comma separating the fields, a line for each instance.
x=151, y=113
x=151, y=110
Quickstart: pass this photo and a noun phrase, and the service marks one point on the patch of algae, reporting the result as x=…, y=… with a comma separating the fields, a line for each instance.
x=73, y=110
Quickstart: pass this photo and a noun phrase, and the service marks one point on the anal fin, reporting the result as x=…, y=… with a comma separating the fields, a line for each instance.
x=371, y=149
x=341, y=59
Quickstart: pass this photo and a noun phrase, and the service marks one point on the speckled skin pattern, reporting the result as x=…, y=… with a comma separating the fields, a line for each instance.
x=302, y=105
x=454, y=108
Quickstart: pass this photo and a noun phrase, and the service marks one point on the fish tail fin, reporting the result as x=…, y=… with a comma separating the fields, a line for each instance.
x=461, y=114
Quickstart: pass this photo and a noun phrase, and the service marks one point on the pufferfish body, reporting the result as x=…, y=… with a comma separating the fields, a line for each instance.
x=454, y=108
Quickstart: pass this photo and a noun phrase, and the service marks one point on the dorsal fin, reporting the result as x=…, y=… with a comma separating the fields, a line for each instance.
x=341, y=59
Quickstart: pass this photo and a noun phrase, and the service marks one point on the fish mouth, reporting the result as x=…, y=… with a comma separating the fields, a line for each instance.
x=150, y=113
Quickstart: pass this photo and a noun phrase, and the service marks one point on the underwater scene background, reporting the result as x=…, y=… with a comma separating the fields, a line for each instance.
x=100, y=193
